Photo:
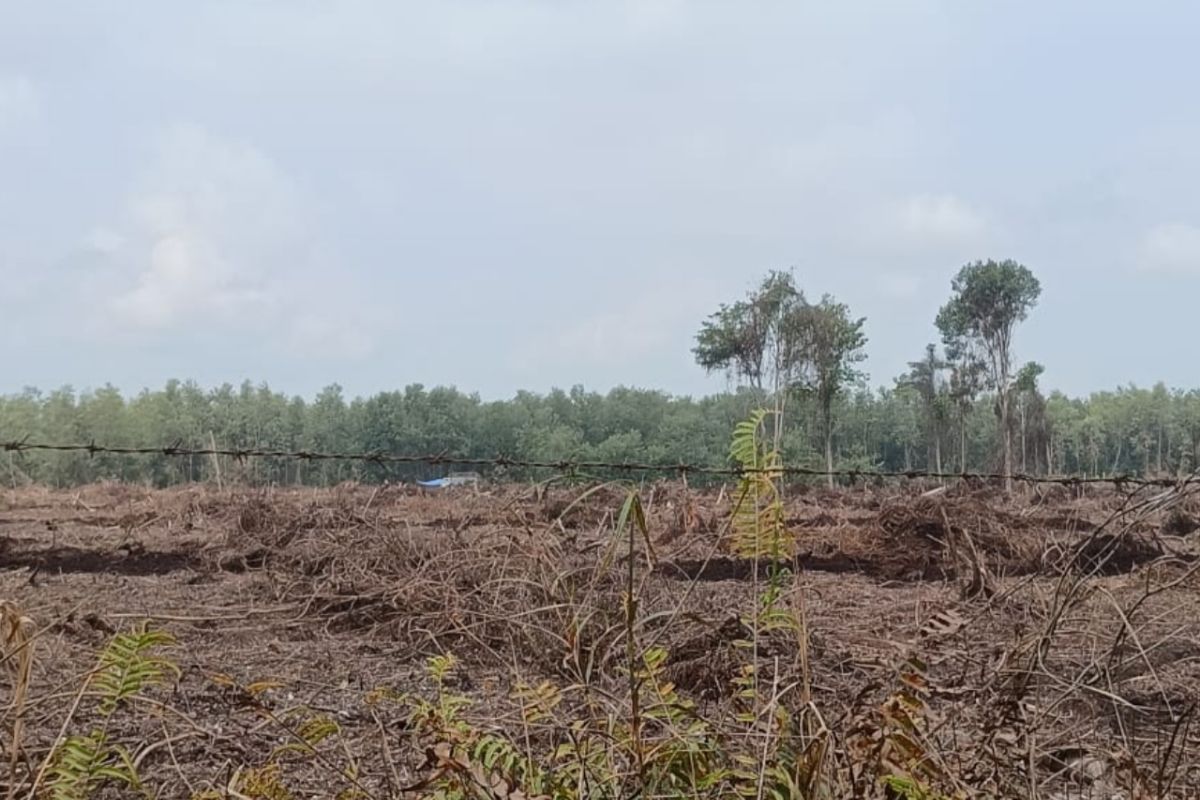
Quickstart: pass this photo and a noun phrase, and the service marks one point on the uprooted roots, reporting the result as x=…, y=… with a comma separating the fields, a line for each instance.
x=927, y=537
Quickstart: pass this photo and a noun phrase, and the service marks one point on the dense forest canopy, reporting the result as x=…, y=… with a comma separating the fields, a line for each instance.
x=1129, y=430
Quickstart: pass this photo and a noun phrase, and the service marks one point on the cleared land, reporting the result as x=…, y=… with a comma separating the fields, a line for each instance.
x=1058, y=636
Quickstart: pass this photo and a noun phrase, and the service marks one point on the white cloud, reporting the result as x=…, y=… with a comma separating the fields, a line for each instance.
x=218, y=234
x=1173, y=247
x=103, y=240
x=206, y=221
x=938, y=219
x=20, y=101
x=186, y=277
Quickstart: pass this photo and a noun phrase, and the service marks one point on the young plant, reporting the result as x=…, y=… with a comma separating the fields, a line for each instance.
x=82, y=763
x=305, y=732
x=791, y=758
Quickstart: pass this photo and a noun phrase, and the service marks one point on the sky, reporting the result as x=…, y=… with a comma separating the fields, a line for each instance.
x=522, y=195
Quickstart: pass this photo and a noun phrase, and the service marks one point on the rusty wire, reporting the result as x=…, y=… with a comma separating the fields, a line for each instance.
x=570, y=466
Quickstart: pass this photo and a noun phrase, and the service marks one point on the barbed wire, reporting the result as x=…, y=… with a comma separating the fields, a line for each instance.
x=569, y=466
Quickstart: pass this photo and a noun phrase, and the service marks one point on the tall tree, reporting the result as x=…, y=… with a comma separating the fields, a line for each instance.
x=1188, y=416
x=988, y=299
x=1030, y=407
x=759, y=340
x=927, y=378
x=967, y=377
x=832, y=344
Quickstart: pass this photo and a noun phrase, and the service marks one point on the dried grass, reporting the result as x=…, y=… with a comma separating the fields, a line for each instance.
x=1080, y=673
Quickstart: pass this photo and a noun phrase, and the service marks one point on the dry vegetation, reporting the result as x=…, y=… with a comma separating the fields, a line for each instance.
x=518, y=641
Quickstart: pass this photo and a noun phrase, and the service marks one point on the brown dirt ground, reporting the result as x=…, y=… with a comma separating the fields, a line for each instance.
x=335, y=593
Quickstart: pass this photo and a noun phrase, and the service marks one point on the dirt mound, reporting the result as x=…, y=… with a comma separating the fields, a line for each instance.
x=914, y=539
x=582, y=508
x=257, y=516
x=706, y=664
x=918, y=536
x=1114, y=554
x=1179, y=523
x=928, y=535
x=923, y=519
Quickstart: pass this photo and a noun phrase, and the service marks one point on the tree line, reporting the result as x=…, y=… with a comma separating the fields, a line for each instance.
x=1126, y=431
x=962, y=405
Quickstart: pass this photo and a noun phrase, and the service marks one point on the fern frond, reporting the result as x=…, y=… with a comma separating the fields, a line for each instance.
x=311, y=732
x=538, y=702
x=440, y=667
x=82, y=763
x=127, y=666
x=744, y=448
x=757, y=523
x=264, y=783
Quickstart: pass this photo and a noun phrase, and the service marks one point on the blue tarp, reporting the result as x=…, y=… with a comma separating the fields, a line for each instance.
x=451, y=480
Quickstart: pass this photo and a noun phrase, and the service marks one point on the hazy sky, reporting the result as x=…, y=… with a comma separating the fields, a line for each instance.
x=504, y=195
